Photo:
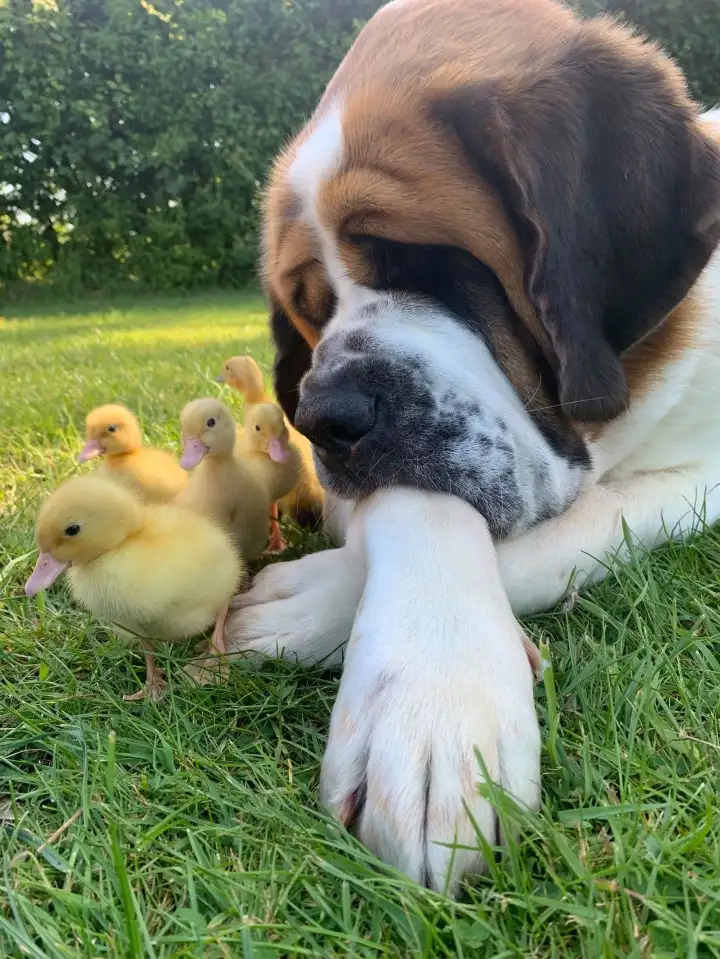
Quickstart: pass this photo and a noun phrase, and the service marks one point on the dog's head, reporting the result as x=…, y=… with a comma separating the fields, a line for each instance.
x=493, y=203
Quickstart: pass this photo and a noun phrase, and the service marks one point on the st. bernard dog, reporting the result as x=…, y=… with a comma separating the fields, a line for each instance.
x=489, y=257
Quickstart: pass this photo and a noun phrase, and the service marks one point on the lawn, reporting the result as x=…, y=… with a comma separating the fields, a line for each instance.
x=191, y=828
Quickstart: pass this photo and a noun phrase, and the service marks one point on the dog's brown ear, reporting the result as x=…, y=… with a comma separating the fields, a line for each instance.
x=292, y=360
x=613, y=190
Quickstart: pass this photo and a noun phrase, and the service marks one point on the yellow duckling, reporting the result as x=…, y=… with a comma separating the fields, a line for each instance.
x=157, y=572
x=266, y=448
x=304, y=503
x=243, y=374
x=221, y=486
x=113, y=432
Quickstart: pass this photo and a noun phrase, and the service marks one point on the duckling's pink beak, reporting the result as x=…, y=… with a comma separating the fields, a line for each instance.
x=47, y=569
x=193, y=452
x=278, y=450
x=90, y=450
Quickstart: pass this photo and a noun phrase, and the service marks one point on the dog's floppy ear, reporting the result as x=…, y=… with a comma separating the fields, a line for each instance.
x=613, y=191
x=292, y=360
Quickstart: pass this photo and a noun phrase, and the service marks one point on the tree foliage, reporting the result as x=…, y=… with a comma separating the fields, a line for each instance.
x=135, y=137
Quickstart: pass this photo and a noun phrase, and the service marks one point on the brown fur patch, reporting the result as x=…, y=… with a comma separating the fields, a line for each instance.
x=644, y=362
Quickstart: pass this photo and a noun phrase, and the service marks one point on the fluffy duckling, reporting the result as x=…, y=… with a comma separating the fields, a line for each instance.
x=157, y=572
x=113, y=432
x=266, y=448
x=243, y=374
x=304, y=503
x=220, y=485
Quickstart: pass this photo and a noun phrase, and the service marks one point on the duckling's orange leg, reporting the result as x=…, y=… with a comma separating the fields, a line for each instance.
x=277, y=540
x=155, y=684
x=212, y=667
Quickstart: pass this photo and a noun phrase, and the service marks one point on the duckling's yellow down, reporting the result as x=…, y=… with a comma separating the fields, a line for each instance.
x=220, y=485
x=159, y=572
x=113, y=433
x=304, y=503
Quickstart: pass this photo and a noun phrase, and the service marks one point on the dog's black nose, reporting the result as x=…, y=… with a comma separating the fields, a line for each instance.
x=336, y=419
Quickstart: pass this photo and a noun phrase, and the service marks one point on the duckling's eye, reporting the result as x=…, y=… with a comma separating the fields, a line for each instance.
x=211, y=422
x=72, y=530
x=257, y=427
x=111, y=429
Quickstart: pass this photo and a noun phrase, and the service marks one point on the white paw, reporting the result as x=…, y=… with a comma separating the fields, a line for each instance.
x=435, y=670
x=301, y=611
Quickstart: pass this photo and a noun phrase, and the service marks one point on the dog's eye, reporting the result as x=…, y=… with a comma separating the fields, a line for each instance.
x=211, y=422
x=112, y=429
x=257, y=428
x=72, y=530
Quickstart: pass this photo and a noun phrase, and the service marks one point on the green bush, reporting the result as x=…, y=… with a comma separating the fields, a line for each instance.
x=134, y=137
x=137, y=136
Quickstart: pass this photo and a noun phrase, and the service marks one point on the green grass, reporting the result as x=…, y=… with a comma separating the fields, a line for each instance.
x=192, y=827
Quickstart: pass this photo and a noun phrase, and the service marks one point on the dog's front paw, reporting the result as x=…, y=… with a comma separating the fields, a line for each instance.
x=301, y=611
x=435, y=673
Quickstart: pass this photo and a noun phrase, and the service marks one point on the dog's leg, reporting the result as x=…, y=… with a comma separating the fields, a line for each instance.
x=539, y=567
x=304, y=610
x=435, y=670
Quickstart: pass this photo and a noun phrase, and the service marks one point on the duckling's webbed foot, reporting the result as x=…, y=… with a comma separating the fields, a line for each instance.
x=155, y=686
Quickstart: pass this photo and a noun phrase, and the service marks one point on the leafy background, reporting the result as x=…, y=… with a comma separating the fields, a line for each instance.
x=135, y=138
